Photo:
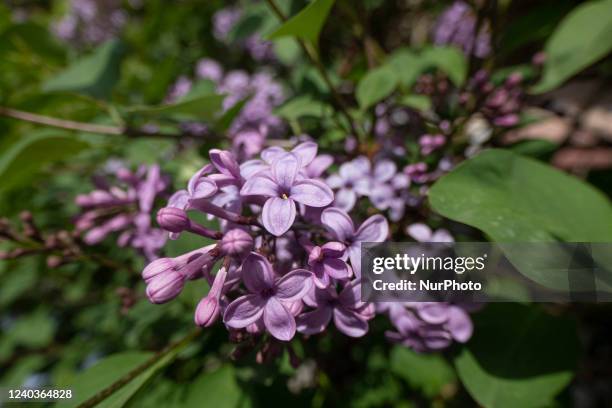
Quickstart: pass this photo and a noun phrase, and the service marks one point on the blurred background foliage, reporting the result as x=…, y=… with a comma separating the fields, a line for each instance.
x=85, y=325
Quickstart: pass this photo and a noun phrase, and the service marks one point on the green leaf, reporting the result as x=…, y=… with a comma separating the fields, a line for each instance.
x=24, y=158
x=518, y=357
x=516, y=199
x=34, y=331
x=113, y=368
x=581, y=39
x=102, y=374
x=418, y=102
x=407, y=64
x=448, y=59
x=201, y=108
x=93, y=75
x=375, y=86
x=219, y=389
x=306, y=24
x=303, y=106
x=426, y=372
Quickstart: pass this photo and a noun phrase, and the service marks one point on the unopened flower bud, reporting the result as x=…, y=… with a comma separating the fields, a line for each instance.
x=173, y=219
x=236, y=242
x=158, y=267
x=165, y=286
x=208, y=310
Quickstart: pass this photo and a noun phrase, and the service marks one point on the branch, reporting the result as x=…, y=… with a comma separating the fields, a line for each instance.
x=314, y=58
x=84, y=127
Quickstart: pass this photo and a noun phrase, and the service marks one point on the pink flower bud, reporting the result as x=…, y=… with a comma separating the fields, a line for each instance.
x=165, y=286
x=236, y=242
x=208, y=309
x=158, y=267
x=173, y=219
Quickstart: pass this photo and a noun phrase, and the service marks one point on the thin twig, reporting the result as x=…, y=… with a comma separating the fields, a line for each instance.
x=312, y=54
x=60, y=123
x=85, y=127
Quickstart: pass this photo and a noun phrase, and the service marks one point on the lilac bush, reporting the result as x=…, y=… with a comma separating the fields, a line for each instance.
x=457, y=26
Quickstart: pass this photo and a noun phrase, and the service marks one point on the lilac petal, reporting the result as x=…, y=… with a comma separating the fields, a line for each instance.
x=148, y=190
x=319, y=165
x=225, y=162
x=345, y=199
x=260, y=185
x=180, y=199
x=338, y=222
x=459, y=324
x=193, y=181
x=279, y=322
x=306, y=151
x=434, y=313
x=244, y=311
x=381, y=196
x=314, y=322
x=251, y=167
x=442, y=235
x=400, y=181
x=319, y=277
x=334, y=181
x=272, y=153
x=349, y=322
x=336, y=268
x=354, y=252
x=333, y=249
x=278, y=215
x=203, y=188
x=285, y=169
x=294, y=285
x=351, y=171
x=420, y=232
x=350, y=296
x=363, y=186
x=313, y=193
x=384, y=170
x=436, y=339
x=374, y=229
x=257, y=273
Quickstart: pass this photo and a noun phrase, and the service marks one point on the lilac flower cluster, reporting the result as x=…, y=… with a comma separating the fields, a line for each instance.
x=256, y=121
x=457, y=26
x=500, y=105
x=226, y=19
x=289, y=262
x=383, y=184
x=427, y=326
x=124, y=203
x=91, y=22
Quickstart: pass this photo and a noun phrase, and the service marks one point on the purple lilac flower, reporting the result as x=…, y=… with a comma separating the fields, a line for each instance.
x=349, y=313
x=326, y=262
x=423, y=233
x=502, y=104
x=268, y=299
x=457, y=26
x=284, y=188
x=393, y=195
x=428, y=326
x=91, y=22
x=124, y=205
x=340, y=225
x=430, y=143
x=352, y=180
